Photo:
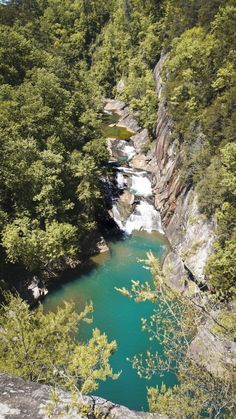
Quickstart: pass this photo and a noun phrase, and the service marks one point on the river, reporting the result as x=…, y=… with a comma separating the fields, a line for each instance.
x=118, y=316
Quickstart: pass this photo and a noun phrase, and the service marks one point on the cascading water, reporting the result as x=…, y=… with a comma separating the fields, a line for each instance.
x=141, y=185
x=137, y=183
x=145, y=217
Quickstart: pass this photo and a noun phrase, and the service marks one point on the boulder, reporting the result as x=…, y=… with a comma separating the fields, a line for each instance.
x=102, y=246
x=114, y=106
x=128, y=121
x=127, y=198
x=141, y=140
x=139, y=162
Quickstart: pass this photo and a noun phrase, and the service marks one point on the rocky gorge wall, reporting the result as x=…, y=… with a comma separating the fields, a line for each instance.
x=190, y=234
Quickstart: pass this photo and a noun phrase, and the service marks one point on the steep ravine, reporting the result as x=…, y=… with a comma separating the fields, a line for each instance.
x=130, y=190
x=152, y=196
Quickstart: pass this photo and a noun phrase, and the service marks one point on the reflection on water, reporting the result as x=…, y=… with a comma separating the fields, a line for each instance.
x=117, y=316
x=110, y=130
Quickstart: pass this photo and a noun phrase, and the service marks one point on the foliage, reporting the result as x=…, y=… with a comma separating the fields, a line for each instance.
x=173, y=324
x=129, y=50
x=57, y=60
x=50, y=113
x=42, y=347
x=38, y=249
x=139, y=92
x=200, y=76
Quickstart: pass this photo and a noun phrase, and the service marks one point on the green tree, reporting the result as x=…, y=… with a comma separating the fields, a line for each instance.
x=15, y=56
x=40, y=249
x=140, y=93
x=44, y=348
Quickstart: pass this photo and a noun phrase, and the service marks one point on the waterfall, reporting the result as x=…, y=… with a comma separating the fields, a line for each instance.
x=145, y=217
x=120, y=180
x=130, y=195
x=117, y=216
x=121, y=148
x=141, y=185
x=129, y=151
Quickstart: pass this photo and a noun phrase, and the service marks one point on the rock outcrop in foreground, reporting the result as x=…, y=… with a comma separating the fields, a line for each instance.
x=20, y=400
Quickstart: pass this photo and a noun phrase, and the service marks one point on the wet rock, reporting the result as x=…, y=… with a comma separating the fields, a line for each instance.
x=124, y=209
x=139, y=162
x=127, y=198
x=102, y=246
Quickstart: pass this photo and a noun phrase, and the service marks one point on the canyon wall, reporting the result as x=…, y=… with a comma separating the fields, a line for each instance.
x=190, y=234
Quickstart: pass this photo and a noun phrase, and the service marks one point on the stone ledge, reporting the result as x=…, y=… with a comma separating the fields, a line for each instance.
x=25, y=400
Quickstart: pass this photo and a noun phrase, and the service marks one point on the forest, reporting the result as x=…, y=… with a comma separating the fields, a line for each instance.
x=58, y=61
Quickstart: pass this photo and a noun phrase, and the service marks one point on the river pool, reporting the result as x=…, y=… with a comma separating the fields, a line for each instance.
x=116, y=315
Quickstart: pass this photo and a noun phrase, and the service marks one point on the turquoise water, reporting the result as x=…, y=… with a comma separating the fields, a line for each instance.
x=116, y=315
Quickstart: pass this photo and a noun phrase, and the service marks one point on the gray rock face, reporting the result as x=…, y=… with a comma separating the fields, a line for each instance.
x=128, y=121
x=216, y=353
x=190, y=235
x=26, y=400
x=139, y=161
x=175, y=271
x=114, y=106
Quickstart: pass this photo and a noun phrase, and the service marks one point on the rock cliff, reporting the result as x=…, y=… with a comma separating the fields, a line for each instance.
x=191, y=236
